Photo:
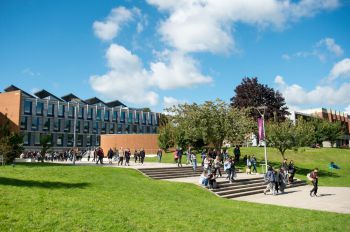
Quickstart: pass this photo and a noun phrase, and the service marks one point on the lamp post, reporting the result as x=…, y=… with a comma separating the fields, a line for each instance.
x=263, y=125
x=74, y=132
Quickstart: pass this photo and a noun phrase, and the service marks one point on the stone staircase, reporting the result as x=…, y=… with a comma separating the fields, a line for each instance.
x=245, y=187
x=172, y=172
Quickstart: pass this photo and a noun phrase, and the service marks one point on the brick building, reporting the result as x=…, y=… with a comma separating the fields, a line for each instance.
x=331, y=116
x=45, y=113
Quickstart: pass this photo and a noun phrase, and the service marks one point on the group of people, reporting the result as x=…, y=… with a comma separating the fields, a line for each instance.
x=63, y=156
x=277, y=179
x=121, y=156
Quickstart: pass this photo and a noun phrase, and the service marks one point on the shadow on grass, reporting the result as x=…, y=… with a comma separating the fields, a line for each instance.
x=39, y=164
x=39, y=184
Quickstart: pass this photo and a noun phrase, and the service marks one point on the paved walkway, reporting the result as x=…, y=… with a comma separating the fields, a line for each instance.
x=332, y=199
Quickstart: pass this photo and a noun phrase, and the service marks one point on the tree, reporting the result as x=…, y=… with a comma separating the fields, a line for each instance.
x=285, y=135
x=45, y=143
x=250, y=93
x=332, y=131
x=166, y=137
x=11, y=143
x=209, y=124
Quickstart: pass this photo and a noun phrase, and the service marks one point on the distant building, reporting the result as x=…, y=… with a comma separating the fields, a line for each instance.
x=331, y=116
x=46, y=113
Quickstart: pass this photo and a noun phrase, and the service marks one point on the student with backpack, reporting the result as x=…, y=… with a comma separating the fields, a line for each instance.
x=313, y=177
x=270, y=179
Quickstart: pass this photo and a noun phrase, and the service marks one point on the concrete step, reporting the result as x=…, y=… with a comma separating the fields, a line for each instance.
x=170, y=171
x=239, y=182
x=232, y=187
x=174, y=177
x=224, y=193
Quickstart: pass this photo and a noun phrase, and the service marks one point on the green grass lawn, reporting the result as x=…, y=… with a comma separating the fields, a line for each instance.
x=305, y=160
x=49, y=197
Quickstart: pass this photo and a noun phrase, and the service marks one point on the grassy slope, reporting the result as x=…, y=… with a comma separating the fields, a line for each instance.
x=305, y=159
x=66, y=198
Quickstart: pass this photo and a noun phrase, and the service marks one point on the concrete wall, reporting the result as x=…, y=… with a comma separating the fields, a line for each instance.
x=149, y=142
x=10, y=105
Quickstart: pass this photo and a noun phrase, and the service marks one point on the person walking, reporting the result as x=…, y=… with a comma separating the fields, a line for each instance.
x=217, y=165
x=159, y=155
x=116, y=154
x=291, y=170
x=142, y=155
x=179, y=157
x=228, y=169
x=203, y=155
x=100, y=156
x=314, y=179
x=110, y=155
x=127, y=157
x=194, y=161
x=136, y=154
x=270, y=179
x=121, y=157
x=237, y=153
x=253, y=163
x=249, y=166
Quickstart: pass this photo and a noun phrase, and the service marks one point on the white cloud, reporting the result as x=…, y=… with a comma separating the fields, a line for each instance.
x=331, y=46
x=126, y=80
x=109, y=29
x=322, y=49
x=178, y=70
x=296, y=95
x=171, y=101
x=29, y=72
x=340, y=69
x=206, y=26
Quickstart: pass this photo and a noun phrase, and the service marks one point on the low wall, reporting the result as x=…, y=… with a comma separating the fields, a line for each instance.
x=149, y=142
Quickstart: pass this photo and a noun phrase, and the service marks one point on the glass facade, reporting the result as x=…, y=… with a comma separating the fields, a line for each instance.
x=28, y=107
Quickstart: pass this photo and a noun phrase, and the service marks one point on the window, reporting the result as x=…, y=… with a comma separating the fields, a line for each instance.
x=27, y=107
x=26, y=138
x=95, y=128
x=150, y=122
x=134, y=129
x=103, y=128
x=46, y=126
x=107, y=115
x=35, y=123
x=86, y=127
x=61, y=110
x=115, y=116
x=36, y=138
x=57, y=125
x=67, y=126
x=144, y=118
x=90, y=113
x=130, y=118
x=70, y=140
x=98, y=114
x=59, y=139
x=97, y=141
x=127, y=129
x=111, y=128
x=148, y=130
x=137, y=119
x=81, y=113
x=80, y=140
x=24, y=122
x=71, y=111
x=77, y=127
x=39, y=108
x=122, y=117
x=88, y=140
x=120, y=129
x=51, y=110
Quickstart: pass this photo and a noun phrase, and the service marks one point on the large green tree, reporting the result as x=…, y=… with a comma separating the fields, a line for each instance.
x=285, y=135
x=11, y=143
x=251, y=93
x=326, y=130
x=209, y=123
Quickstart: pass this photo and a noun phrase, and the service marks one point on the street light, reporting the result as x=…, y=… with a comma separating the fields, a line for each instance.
x=75, y=128
x=263, y=127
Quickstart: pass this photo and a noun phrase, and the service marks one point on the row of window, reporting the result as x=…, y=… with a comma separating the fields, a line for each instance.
x=62, y=125
x=92, y=113
x=60, y=140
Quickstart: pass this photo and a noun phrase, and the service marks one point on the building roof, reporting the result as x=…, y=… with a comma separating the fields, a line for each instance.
x=71, y=97
x=44, y=94
x=15, y=88
x=115, y=103
x=94, y=100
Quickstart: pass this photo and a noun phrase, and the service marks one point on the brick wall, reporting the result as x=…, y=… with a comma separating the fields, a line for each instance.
x=10, y=105
x=149, y=142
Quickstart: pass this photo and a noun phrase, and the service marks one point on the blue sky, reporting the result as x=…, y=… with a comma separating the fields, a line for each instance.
x=157, y=53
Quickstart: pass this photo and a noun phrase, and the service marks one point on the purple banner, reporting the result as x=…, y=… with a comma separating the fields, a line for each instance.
x=261, y=129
